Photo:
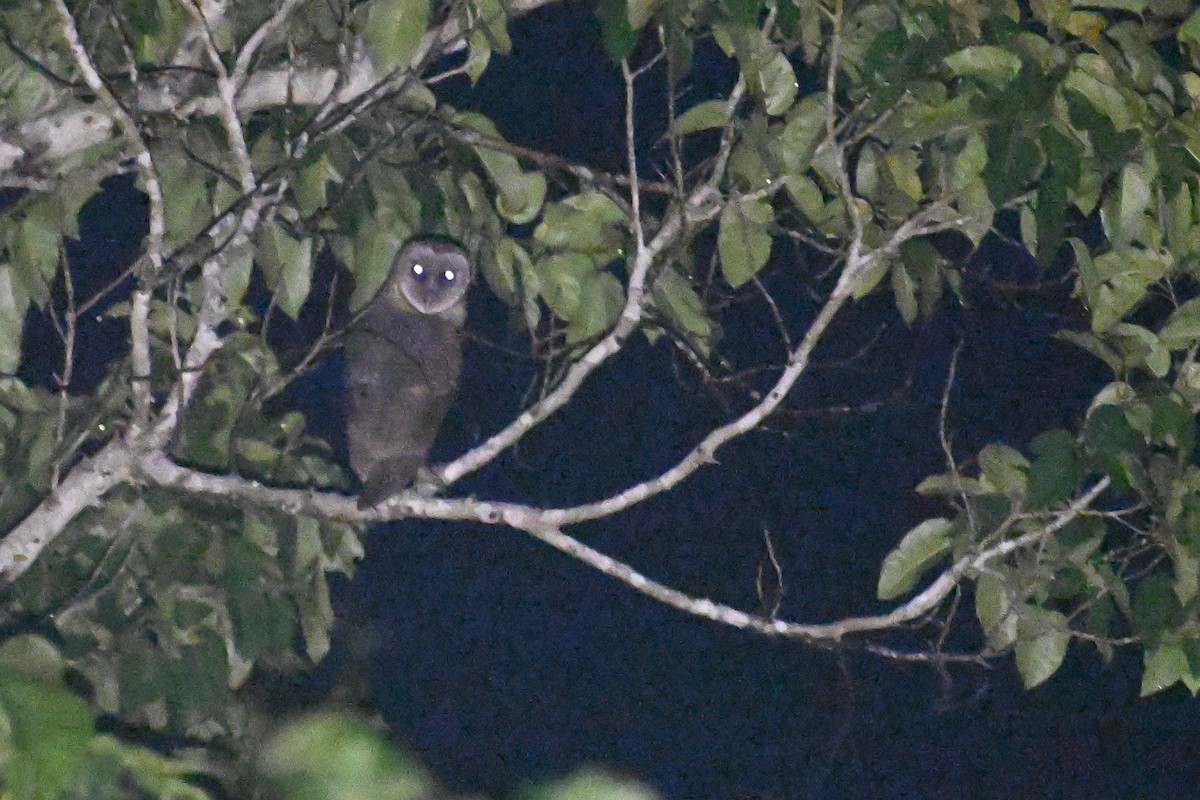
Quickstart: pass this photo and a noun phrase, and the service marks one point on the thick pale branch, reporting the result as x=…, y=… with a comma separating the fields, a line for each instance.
x=701, y=207
x=158, y=469
x=83, y=486
x=74, y=125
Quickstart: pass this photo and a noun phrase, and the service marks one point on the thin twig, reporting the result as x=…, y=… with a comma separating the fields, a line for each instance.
x=139, y=314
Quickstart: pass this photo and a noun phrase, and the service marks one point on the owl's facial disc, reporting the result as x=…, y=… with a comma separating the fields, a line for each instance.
x=433, y=288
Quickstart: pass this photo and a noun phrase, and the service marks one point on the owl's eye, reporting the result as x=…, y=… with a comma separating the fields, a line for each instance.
x=449, y=275
x=418, y=270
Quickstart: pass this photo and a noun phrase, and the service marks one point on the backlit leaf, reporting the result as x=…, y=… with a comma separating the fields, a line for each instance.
x=601, y=299
x=336, y=757
x=675, y=297
x=562, y=276
x=13, y=305
x=1163, y=666
x=994, y=611
x=988, y=62
x=709, y=114
x=394, y=30
x=1004, y=469
x=744, y=240
x=921, y=548
x=48, y=730
x=1041, y=645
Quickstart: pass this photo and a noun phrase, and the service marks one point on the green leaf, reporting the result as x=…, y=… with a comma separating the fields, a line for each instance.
x=902, y=167
x=795, y=144
x=235, y=275
x=370, y=258
x=296, y=278
x=1189, y=34
x=1133, y=201
x=264, y=623
x=316, y=617
x=904, y=289
x=1042, y=638
x=1056, y=472
x=777, y=84
x=975, y=205
x=1133, y=6
x=594, y=784
x=310, y=185
x=1182, y=329
x=1156, y=607
x=257, y=453
x=921, y=548
x=562, y=276
x=1050, y=212
x=1093, y=79
x=744, y=239
x=394, y=30
x=506, y=268
x=335, y=757
x=186, y=206
x=709, y=114
x=948, y=485
x=37, y=245
x=618, y=36
x=141, y=675
x=768, y=72
x=1163, y=666
x=966, y=167
x=493, y=19
x=1004, y=470
x=992, y=64
x=1115, y=282
x=640, y=11
x=308, y=547
x=675, y=297
x=159, y=38
x=601, y=299
x=587, y=223
x=198, y=682
x=33, y=656
x=287, y=267
x=521, y=195
x=1096, y=345
x=14, y=302
x=479, y=55
x=994, y=611
x=48, y=729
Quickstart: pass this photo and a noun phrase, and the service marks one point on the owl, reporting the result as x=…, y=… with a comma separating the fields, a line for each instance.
x=402, y=361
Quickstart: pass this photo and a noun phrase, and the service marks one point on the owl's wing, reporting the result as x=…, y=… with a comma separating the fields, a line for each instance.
x=399, y=387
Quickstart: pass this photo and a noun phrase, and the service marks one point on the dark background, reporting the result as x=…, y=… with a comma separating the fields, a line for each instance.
x=504, y=661
x=501, y=662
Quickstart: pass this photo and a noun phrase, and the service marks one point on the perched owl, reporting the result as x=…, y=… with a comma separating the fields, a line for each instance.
x=403, y=356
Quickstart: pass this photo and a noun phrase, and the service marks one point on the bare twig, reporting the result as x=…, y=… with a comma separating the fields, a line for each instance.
x=944, y=439
x=139, y=313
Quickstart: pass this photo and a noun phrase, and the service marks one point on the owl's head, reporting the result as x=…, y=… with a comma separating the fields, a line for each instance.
x=431, y=274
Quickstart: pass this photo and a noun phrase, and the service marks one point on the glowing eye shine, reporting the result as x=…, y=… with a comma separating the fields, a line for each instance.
x=418, y=270
x=448, y=275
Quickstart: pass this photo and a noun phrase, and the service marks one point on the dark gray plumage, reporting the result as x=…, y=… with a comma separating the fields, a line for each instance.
x=403, y=357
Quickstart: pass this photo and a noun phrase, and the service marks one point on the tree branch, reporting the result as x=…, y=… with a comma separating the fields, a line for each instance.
x=157, y=469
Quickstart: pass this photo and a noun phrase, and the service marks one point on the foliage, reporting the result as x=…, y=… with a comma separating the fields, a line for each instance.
x=151, y=526
x=49, y=748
